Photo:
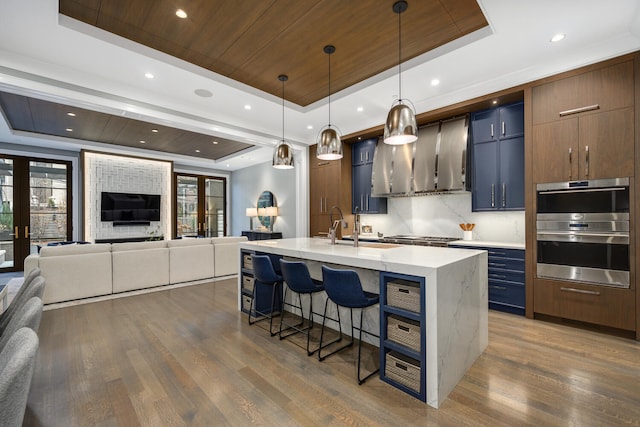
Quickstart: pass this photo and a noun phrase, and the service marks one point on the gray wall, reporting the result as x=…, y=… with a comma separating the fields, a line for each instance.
x=246, y=186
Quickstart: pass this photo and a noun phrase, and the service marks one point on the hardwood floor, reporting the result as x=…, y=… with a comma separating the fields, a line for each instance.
x=186, y=356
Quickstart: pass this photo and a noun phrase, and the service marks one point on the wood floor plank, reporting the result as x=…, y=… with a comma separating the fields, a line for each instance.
x=187, y=357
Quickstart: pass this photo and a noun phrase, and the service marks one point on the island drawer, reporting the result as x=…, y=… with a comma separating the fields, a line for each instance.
x=247, y=282
x=404, y=331
x=404, y=294
x=403, y=370
x=506, y=293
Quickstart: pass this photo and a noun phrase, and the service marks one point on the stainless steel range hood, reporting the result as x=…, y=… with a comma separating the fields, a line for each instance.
x=436, y=162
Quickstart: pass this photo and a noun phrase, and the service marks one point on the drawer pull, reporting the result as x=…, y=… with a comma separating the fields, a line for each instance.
x=404, y=291
x=497, y=253
x=498, y=276
x=403, y=367
x=495, y=264
x=580, y=291
x=579, y=110
x=500, y=288
x=403, y=328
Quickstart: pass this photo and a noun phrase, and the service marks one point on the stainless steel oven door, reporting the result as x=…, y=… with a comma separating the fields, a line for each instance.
x=594, y=258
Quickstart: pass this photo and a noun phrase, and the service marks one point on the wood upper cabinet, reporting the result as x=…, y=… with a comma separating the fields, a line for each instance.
x=329, y=185
x=583, y=126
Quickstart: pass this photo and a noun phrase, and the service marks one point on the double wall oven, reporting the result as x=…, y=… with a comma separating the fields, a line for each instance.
x=582, y=231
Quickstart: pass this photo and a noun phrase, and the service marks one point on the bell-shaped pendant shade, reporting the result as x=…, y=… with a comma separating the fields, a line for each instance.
x=400, y=127
x=329, y=144
x=283, y=156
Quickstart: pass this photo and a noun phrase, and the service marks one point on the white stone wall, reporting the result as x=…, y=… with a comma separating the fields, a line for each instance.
x=105, y=172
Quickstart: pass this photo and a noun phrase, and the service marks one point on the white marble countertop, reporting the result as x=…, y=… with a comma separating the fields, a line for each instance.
x=489, y=244
x=416, y=260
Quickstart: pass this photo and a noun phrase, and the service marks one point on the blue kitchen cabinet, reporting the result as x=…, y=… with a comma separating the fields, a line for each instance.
x=497, y=137
x=506, y=276
x=362, y=168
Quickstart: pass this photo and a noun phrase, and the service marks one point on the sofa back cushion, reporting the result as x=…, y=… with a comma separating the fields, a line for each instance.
x=229, y=239
x=49, y=251
x=188, y=242
x=134, y=246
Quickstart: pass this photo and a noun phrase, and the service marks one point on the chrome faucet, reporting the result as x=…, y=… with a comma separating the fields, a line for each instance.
x=334, y=224
x=356, y=227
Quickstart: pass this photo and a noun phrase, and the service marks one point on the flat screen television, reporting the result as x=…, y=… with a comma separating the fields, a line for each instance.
x=129, y=208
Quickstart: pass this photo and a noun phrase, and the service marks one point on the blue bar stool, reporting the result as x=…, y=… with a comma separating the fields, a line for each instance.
x=343, y=287
x=265, y=275
x=296, y=276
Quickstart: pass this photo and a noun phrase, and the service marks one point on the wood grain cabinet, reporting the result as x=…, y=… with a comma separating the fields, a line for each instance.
x=583, y=126
x=329, y=185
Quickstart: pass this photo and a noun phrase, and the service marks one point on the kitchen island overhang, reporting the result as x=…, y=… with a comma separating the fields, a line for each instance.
x=455, y=296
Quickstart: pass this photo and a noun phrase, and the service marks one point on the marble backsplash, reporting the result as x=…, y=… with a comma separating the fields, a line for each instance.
x=440, y=214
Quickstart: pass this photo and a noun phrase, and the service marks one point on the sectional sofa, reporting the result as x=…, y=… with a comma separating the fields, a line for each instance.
x=75, y=272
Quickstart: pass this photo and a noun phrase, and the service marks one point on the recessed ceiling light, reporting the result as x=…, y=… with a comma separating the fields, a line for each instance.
x=247, y=107
x=204, y=93
x=181, y=13
x=70, y=114
x=69, y=130
x=214, y=142
x=143, y=142
x=149, y=75
x=360, y=109
x=309, y=127
x=154, y=130
x=435, y=82
x=227, y=164
x=495, y=101
x=557, y=37
x=197, y=151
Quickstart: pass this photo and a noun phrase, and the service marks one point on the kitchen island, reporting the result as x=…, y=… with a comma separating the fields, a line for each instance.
x=454, y=318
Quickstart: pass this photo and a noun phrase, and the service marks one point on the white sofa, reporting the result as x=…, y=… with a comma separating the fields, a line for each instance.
x=82, y=271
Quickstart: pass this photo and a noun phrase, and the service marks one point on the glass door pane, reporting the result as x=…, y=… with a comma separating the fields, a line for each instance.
x=186, y=206
x=7, y=231
x=214, y=218
x=48, y=217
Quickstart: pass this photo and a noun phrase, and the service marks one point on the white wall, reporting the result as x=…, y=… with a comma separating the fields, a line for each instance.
x=440, y=214
x=248, y=183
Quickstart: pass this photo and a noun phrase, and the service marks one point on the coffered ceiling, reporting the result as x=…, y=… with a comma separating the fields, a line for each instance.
x=92, y=55
x=253, y=41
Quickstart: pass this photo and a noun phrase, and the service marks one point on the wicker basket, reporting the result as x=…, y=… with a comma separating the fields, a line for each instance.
x=404, y=294
x=404, y=331
x=247, y=282
x=246, y=302
x=403, y=370
x=247, y=262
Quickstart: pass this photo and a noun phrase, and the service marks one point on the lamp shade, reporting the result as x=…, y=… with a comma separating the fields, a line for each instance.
x=400, y=127
x=251, y=212
x=329, y=144
x=271, y=211
x=283, y=156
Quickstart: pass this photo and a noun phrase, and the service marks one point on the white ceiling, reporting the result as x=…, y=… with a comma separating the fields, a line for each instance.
x=45, y=55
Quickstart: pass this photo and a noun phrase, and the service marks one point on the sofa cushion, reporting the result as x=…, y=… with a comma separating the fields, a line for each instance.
x=188, y=242
x=49, y=251
x=140, y=269
x=134, y=246
x=191, y=262
x=229, y=239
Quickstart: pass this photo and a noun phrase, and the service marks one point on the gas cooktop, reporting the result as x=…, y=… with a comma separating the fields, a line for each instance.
x=407, y=239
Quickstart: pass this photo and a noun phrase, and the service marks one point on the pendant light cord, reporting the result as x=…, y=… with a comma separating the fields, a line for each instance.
x=329, y=55
x=399, y=57
x=283, y=80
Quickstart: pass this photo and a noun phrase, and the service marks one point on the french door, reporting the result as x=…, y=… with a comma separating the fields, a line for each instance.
x=35, y=207
x=199, y=206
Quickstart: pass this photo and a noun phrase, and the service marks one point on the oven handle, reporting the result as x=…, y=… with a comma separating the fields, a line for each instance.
x=581, y=190
x=582, y=237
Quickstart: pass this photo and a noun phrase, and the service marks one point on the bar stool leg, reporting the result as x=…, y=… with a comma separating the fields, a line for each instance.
x=361, y=381
x=349, y=344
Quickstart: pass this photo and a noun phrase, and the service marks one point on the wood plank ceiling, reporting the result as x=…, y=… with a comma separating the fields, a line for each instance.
x=44, y=117
x=253, y=41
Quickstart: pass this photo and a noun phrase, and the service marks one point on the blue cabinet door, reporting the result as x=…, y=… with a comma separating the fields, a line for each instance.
x=483, y=126
x=485, y=176
x=362, y=151
x=512, y=173
x=511, y=120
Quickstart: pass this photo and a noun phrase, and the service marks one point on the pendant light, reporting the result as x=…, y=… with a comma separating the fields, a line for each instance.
x=283, y=152
x=329, y=143
x=400, y=127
